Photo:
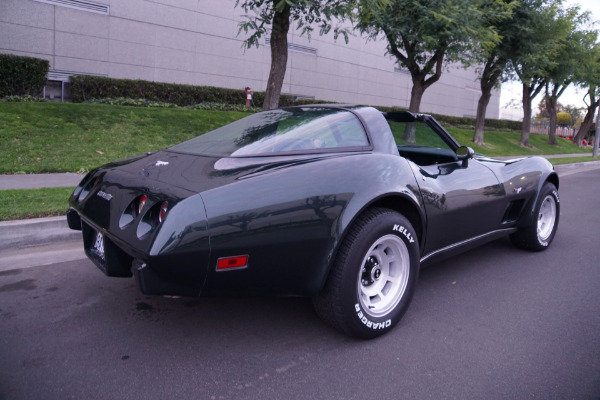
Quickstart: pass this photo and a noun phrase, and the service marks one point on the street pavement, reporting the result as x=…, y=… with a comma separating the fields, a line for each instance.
x=493, y=323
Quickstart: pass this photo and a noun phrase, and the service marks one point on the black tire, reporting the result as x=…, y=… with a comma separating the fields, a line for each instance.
x=373, y=277
x=538, y=235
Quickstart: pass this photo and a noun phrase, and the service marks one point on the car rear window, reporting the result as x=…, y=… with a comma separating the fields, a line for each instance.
x=276, y=132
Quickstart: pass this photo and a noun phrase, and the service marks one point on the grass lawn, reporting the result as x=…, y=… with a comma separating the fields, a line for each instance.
x=34, y=203
x=54, y=137
x=506, y=144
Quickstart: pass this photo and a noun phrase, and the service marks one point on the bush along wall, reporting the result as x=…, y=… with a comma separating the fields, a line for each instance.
x=97, y=89
x=22, y=76
x=85, y=88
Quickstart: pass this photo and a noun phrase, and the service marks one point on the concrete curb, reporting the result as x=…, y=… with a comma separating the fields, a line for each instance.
x=35, y=232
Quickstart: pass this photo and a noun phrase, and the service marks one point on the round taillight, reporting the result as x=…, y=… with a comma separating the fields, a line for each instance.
x=141, y=204
x=163, y=211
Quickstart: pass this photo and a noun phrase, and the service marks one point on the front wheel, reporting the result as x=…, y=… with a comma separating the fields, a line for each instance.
x=373, y=276
x=540, y=233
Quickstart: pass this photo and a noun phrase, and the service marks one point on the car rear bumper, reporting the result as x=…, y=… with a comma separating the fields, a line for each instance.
x=114, y=261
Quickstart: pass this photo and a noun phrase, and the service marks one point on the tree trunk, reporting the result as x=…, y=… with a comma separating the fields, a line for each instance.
x=416, y=95
x=480, y=118
x=279, y=55
x=493, y=70
x=596, y=137
x=526, y=99
x=488, y=80
x=551, y=108
x=588, y=120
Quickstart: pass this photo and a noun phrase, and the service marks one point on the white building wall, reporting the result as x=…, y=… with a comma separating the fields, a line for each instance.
x=195, y=42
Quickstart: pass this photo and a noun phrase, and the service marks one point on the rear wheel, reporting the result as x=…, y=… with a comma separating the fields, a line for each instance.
x=373, y=277
x=540, y=233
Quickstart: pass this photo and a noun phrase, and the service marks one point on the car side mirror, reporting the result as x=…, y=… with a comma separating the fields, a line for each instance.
x=464, y=154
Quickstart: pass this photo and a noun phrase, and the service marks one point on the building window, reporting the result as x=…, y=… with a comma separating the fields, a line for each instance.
x=296, y=47
x=83, y=5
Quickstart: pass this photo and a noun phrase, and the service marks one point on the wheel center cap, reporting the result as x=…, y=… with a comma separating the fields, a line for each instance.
x=371, y=272
x=376, y=273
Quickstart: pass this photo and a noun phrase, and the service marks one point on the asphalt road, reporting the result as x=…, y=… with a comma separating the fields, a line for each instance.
x=494, y=323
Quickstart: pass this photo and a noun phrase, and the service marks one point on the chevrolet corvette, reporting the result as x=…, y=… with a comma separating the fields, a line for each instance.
x=340, y=203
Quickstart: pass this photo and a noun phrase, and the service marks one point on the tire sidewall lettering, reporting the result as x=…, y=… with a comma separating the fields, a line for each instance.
x=371, y=324
x=407, y=235
x=399, y=228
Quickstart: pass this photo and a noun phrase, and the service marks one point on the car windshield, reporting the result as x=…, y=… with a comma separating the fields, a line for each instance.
x=292, y=130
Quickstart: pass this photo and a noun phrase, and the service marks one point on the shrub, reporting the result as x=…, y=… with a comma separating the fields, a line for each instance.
x=224, y=107
x=22, y=76
x=158, y=94
x=564, y=119
x=22, y=99
x=122, y=101
x=84, y=88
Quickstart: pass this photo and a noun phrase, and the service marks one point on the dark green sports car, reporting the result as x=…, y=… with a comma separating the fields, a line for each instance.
x=340, y=203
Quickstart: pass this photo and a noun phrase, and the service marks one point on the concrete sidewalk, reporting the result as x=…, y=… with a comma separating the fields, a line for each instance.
x=43, y=231
x=37, y=181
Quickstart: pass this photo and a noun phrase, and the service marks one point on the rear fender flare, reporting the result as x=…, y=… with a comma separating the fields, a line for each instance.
x=404, y=202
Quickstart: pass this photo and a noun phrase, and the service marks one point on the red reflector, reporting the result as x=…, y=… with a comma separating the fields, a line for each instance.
x=163, y=211
x=232, y=262
x=142, y=203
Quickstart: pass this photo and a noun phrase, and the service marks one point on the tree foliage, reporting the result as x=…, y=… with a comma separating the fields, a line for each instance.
x=534, y=53
x=564, y=119
x=589, y=77
x=425, y=35
x=306, y=14
x=574, y=41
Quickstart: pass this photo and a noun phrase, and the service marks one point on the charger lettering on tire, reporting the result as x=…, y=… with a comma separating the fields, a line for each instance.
x=370, y=324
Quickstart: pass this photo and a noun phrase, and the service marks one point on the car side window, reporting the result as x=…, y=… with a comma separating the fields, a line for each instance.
x=420, y=143
x=416, y=134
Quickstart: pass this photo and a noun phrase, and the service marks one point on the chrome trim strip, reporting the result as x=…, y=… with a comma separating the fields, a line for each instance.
x=473, y=239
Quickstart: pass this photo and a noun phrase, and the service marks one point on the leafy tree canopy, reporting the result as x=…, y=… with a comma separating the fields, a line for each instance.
x=425, y=35
x=306, y=14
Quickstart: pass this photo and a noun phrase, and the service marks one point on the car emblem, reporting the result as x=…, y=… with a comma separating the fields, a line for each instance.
x=518, y=190
x=104, y=195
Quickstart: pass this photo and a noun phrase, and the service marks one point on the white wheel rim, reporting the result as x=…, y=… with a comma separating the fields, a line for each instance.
x=383, y=277
x=546, y=218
